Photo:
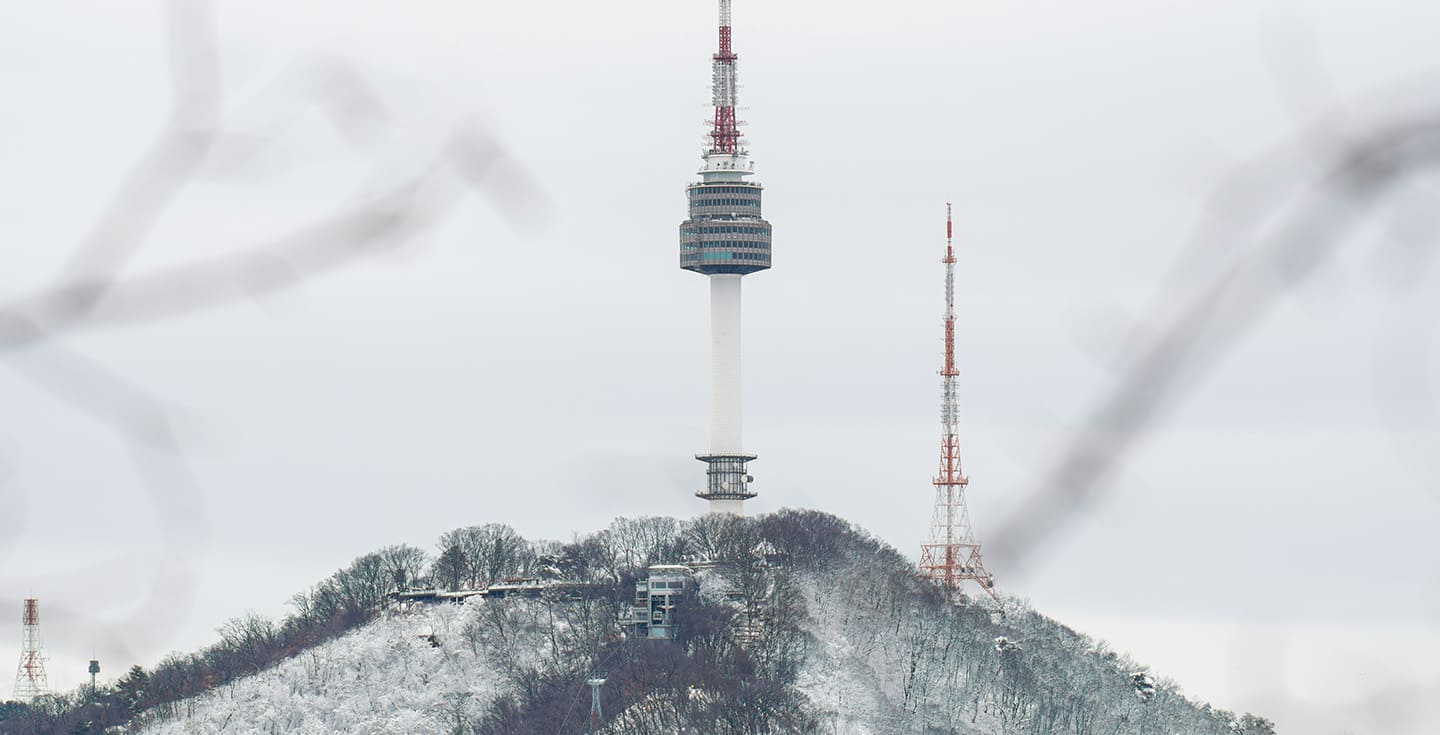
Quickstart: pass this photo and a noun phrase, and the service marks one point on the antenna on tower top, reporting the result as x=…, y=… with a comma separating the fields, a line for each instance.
x=725, y=138
x=952, y=555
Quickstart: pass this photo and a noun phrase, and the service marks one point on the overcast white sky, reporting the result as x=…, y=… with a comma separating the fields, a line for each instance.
x=1271, y=545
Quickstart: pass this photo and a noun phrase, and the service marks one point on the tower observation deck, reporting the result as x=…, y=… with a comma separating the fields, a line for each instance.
x=725, y=238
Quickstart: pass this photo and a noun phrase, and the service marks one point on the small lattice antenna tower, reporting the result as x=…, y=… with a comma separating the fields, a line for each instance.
x=596, y=714
x=30, y=679
x=952, y=556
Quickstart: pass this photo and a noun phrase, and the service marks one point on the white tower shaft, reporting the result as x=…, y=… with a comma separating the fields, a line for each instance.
x=725, y=399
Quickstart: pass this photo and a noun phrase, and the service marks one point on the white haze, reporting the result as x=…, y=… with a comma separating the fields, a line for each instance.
x=556, y=378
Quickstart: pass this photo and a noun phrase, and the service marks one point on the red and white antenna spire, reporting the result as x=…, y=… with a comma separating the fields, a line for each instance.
x=30, y=680
x=953, y=554
x=725, y=138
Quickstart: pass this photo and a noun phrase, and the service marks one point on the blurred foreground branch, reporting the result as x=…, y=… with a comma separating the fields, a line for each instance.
x=1281, y=217
x=96, y=290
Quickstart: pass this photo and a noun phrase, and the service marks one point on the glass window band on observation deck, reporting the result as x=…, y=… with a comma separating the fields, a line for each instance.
x=709, y=247
x=724, y=199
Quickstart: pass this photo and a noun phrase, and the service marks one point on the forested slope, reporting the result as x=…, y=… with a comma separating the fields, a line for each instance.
x=800, y=623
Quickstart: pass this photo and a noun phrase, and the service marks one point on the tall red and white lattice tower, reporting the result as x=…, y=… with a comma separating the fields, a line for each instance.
x=30, y=681
x=952, y=556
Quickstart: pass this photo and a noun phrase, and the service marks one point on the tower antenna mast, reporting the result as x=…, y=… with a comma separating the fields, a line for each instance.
x=726, y=135
x=952, y=556
x=30, y=680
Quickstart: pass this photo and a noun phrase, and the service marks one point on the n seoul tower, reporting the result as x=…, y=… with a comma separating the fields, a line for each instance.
x=725, y=238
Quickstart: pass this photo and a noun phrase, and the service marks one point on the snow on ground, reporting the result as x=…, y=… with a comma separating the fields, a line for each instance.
x=876, y=664
x=838, y=679
x=855, y=669
x=385, y=678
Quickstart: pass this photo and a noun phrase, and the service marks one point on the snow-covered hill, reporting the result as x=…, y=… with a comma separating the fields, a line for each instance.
x=798, y=623
x=408, y=672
